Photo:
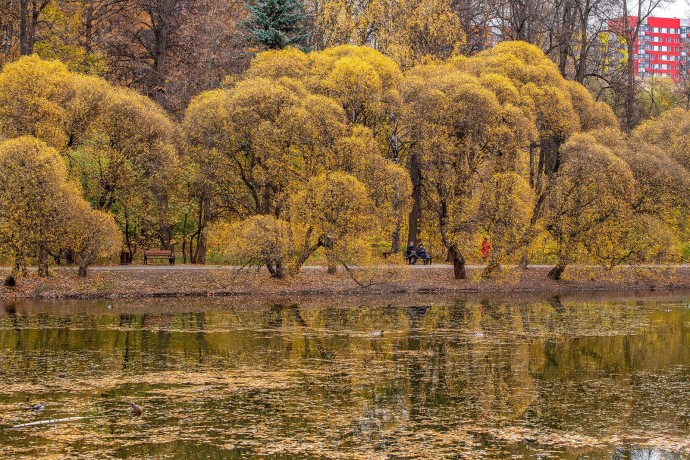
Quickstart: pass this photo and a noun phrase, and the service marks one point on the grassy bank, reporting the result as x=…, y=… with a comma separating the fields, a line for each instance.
x=135, y=282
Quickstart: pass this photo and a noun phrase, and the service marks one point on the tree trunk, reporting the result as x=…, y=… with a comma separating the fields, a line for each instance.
x=88, y=32
x=42, y=262
x=416, y=211
x=395, y=243
x=184, y=238
x=36, y=11
x=556, y=272
x=332, y=263
x=23, y=27
x=630, y=89
x=82, y=271
x=524, y=261
x=19, y=268
x=202, y=242
x=161, y=15
x=276, y=269
x=492, y=266
x=9, y=32
x=458, y=262
x=165, y=231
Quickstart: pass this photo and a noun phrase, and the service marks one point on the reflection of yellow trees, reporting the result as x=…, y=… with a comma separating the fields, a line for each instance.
x=295, y=371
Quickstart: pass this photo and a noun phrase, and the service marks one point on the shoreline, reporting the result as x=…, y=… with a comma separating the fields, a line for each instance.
x=135, y=282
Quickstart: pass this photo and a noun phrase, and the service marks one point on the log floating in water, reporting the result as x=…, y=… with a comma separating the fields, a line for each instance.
x=51, y=421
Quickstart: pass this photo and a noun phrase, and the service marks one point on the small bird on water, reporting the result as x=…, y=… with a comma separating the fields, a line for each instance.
x=135, y=409
x=377, y=334
x=37, y=407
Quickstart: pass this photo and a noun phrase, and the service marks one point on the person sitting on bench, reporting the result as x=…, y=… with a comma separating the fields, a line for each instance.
x=411, y=254
x=421, y=253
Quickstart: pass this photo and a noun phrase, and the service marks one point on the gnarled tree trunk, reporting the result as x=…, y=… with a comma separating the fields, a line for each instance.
x=276, y=269
x=493, y=265
x=458, y=262
x=556, y=272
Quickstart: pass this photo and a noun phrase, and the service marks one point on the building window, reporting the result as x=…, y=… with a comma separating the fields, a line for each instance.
x=676, y=40
x=676, y=67
x=668, y=39
x=676, y=49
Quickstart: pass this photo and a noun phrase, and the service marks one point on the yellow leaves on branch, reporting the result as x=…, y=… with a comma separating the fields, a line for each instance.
x=334, y=204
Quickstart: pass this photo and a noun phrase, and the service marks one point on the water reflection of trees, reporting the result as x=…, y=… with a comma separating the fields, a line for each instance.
x=438, y=367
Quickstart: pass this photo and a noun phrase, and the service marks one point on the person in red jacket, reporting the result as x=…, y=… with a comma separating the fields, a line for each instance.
x=486, y=248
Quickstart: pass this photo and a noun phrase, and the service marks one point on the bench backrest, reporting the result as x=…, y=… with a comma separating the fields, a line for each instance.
x=163, y=252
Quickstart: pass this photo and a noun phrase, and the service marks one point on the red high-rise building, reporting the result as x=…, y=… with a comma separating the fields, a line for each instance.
x=659, y=49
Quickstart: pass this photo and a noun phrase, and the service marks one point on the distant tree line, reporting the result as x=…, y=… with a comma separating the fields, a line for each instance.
x=171, y=50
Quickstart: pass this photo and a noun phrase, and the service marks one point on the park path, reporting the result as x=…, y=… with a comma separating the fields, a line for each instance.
x=164, y=267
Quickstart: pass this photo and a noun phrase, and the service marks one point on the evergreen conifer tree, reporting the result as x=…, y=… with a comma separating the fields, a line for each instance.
x=276, y=23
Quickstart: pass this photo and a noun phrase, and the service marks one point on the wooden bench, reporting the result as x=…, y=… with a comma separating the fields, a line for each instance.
x=426, y=261
x=159, y=254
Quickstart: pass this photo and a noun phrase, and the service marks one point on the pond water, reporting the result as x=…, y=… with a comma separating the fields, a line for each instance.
x=449, y=378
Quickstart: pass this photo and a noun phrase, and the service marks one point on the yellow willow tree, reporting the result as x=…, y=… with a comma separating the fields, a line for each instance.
x=331, y=211
x=41, y=213
x=461, y=148
x=253, y=141
x=559, y=109
x=119, y=145
x=504, y=214
x=367, y=86
x=588, y=199
x=89, y=234
x=126, y=162
x=256, y=143
x=33, y=95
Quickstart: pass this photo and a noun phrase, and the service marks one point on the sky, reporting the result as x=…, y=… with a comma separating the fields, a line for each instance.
x=674, y=9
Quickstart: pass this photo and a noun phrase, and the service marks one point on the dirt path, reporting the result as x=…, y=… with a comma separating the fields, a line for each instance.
x=139, y=281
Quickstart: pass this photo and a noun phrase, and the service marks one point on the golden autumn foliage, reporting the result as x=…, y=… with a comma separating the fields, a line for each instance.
x=588, y=200
x=118, y=144
x=409, y=31
x=272, y=143
x=332, y=150
x=42, y=213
